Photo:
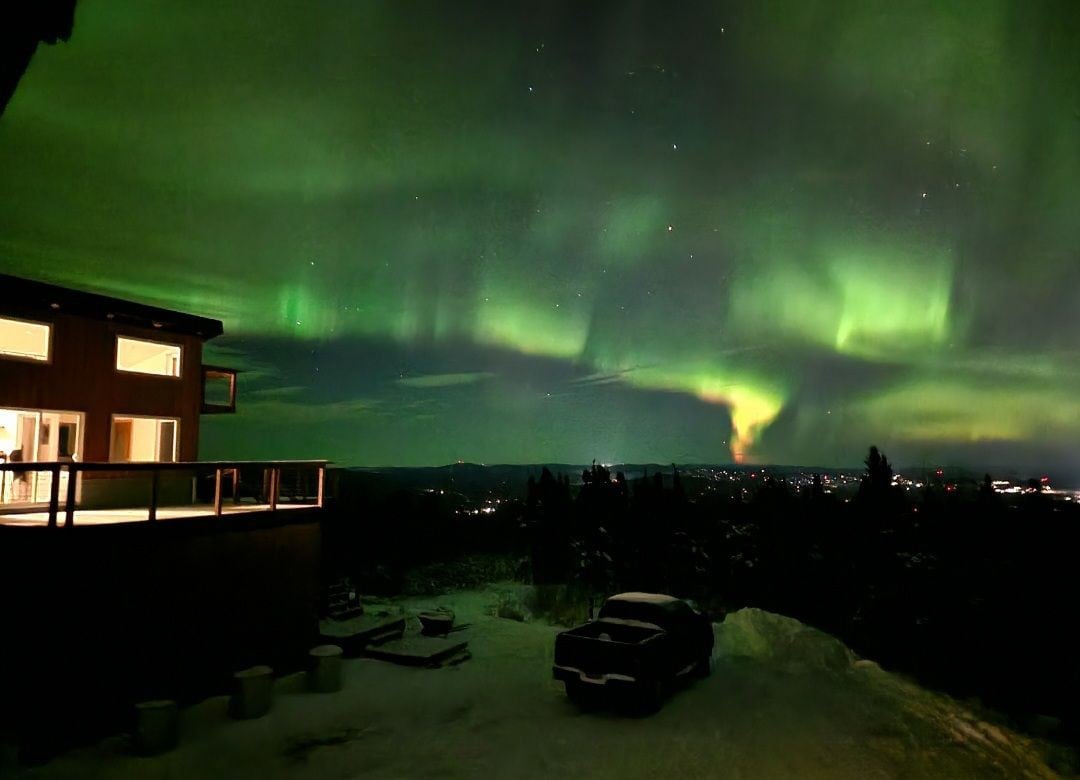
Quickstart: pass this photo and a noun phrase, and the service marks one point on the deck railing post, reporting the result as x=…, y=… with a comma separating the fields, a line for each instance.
x=54, y=495
x=217, y=491
x=69, y=501
x=151, y=514
x=298, y=490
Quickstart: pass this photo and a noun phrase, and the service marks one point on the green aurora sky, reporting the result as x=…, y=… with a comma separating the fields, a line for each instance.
x=631, y=231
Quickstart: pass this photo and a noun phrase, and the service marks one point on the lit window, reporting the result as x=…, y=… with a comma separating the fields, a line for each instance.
x=147, y=357
x=23, y=339
x=143, y=439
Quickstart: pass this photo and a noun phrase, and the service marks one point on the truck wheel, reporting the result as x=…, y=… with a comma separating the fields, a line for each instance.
x=650, y=696
x=577, y=694
x=703, y=668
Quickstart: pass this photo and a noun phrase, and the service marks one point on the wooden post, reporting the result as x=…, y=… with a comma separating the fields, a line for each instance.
x=217, y=492
x=275, y=475
x=236, y=486
x=324, y=669
x=322, y=485
x=155, y=726
x=69, y=505
x=54, y=495
x=253, y=692
x=151, y=514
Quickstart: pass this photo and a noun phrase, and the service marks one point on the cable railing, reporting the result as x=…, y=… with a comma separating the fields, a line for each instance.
x=48, y=491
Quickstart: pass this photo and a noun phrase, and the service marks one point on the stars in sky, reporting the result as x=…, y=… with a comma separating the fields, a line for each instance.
x=795, y=222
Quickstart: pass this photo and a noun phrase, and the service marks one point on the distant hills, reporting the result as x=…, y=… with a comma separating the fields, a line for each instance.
x=511, y=479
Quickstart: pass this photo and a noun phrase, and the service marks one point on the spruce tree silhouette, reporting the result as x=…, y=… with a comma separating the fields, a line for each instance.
x=547, y=516
x=879, y=471
x=987, y=496
x=877, y=489
x=677, y=490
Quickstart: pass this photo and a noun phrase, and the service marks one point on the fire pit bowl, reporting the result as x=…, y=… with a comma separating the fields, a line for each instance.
x=436, y=623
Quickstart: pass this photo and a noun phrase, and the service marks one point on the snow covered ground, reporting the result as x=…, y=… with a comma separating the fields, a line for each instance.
x=783, y=701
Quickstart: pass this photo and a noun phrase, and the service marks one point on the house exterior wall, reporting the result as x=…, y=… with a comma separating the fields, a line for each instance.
x=82, y=377
x=97, y=618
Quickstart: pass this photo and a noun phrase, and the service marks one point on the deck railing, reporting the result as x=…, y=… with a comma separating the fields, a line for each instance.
x=307, y=488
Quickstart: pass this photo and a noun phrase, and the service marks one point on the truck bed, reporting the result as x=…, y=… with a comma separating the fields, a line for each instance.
x=607, y=649
x=621, y=631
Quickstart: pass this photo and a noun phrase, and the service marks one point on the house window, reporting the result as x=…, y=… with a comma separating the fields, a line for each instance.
x=147, y=357
x=143, y=439
x=219, y=390
x=24, y=339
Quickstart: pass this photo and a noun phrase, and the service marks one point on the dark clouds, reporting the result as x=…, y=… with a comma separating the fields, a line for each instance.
x=554, y=231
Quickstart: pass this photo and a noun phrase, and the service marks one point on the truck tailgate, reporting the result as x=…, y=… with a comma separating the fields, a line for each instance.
x=602, y=650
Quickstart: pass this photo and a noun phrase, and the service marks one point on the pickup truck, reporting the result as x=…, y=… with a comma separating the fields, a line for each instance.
x=640, y=643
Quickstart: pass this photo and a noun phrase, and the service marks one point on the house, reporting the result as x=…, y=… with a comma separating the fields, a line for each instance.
x=100, y=406
x=89, y=380
x=96, y=378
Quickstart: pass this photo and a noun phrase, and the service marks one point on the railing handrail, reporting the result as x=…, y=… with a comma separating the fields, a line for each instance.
x=271, y=474
x=152, y=465
x=30, y=465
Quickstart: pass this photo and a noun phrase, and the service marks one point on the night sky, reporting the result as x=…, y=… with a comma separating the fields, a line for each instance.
x=630, y=231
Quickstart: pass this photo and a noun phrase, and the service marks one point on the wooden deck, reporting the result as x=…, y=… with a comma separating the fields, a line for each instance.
x=140, y=515
x=62, y=508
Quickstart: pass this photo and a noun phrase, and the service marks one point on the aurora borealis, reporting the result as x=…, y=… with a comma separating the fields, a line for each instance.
x=559, y=231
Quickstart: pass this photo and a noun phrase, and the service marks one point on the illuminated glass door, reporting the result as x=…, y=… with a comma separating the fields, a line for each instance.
x=18, y=444
x=36, y=435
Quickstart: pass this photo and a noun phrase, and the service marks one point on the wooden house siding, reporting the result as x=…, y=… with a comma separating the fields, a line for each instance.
x=81, y=376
